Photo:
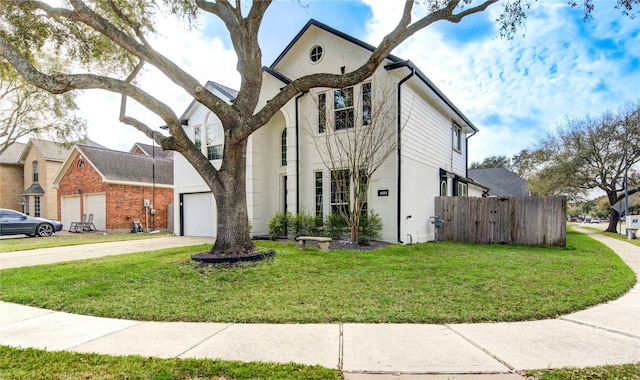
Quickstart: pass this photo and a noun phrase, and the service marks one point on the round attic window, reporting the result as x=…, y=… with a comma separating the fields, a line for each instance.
x=315, y=54
x=81, y=163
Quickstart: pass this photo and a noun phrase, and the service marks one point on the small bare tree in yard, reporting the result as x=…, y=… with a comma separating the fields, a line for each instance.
x=353, y=145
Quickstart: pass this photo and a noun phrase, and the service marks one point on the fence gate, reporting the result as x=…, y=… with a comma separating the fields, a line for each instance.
x=504, y=220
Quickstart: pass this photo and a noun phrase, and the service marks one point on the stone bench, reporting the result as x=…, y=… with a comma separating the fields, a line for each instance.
x=323, y=242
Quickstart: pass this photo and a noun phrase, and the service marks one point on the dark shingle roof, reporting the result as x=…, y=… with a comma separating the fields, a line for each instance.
x=150, y=150
x=34, y=189
x=13, y=153
x=500, y=181
x=116, y=166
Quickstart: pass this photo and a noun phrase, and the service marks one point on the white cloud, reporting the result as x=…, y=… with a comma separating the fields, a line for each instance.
x=203, y=57
x=514, y=91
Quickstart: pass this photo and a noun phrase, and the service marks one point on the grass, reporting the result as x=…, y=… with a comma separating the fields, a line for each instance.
x=22, y=244
x=421, y=283
x=27, y=364
x=618, y=372
x=614, y=235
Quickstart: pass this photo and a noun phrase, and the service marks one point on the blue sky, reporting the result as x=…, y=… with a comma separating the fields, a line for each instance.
x=513, y=90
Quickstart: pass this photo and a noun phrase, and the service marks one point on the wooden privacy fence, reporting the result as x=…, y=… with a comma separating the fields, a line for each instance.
x=539, y=220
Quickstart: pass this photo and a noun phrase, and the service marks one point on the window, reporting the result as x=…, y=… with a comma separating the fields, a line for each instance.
x=215, y=141
x=462, y=189
x=81, y=163
x=457, y=138
x=366, y=104
x=315, y=54
x=343, y=108
x=283, y=148
x=322, y=112
x=198, y=137
x=339, y=190
x=26, y=205
x=35, y=171
x=319, y=204
x=36, y=206
x=443, y=187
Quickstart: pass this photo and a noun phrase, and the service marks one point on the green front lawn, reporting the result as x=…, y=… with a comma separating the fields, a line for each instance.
x=56, y=240
x=28, y=364
x=617, y=372
x=422, y=283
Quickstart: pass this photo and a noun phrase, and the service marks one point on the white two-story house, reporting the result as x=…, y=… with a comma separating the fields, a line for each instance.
x=284, y=169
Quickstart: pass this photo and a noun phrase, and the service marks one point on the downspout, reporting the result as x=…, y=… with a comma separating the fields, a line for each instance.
x=399, y=121
x=298, y=154
x=466, y=154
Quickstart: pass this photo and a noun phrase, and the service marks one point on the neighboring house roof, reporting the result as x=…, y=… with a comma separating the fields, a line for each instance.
x=34, y=189
x=227, y=93
x=51, y=150
x=12, y=155
x=500, y=181
x=122, y=167
x=152, y=151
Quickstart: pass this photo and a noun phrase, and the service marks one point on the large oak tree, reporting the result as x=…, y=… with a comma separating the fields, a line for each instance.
x=108, y=40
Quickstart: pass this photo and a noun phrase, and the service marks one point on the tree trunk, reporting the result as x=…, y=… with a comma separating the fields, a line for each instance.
x=230, y=191
x=613, y=221
x=614, y=215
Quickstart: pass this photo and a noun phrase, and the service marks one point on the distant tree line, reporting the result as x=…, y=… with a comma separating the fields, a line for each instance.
x=582, y=155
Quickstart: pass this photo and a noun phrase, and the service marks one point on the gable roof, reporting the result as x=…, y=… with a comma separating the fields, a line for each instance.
x=122, y=167
x=152, y=151
x=501, y=182
x=12, y=155
x=226, y=92
x=51, y=150
x=396, y=63
x=336, y=32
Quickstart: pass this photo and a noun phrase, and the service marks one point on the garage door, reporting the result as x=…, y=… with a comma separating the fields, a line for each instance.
x=69, y=210
x=198, y=214
x=96, y=204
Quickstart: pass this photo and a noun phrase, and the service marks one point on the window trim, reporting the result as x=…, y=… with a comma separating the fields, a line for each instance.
x=369, y=105
x=319, y=193
x=319, y=55
x=348, y=109
x=283, y=147
x=35, y=166
x=210, y=149
x=456, y=138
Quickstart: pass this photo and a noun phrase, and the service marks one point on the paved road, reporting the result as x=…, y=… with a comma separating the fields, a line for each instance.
x=605, y=334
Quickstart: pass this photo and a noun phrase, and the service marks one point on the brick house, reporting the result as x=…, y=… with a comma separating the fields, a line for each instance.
x=12, y=177
x=116, y=187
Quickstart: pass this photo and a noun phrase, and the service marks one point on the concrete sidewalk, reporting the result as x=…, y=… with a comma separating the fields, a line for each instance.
x=605, y=334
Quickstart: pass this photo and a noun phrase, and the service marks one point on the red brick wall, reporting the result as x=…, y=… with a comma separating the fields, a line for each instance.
x=86, y=179
x=123, y=202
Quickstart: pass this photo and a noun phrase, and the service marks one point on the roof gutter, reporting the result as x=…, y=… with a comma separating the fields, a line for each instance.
x=399, y=121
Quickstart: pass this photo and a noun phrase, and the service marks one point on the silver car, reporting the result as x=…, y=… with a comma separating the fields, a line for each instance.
x=16, y=223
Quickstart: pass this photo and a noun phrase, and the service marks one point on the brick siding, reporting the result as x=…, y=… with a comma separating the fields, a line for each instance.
x=123, y=202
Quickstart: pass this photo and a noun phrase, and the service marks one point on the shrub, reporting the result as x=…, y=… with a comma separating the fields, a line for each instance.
x=335, y=226
x=370, y=227
x=279, y=225
x=304, y=224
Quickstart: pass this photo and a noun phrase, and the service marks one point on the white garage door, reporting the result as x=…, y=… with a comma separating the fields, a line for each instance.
x=69, y=210
x=198, y=214
x=96, y=204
